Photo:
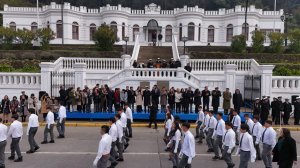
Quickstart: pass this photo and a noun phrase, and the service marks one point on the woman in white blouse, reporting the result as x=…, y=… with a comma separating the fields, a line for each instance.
x=175, y=143
x=168, y=128
x=178, y=97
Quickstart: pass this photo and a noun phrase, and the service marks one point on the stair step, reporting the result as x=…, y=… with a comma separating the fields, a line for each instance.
x=151, y=52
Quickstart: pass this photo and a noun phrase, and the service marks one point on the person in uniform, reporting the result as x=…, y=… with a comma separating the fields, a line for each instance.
x=129, y=117
x=268, y=140
x=236, y=122
x=256, y=107
x=228, y=145
x=219, y=131
x=61, y=120
x=199, y=121
x=187, y=152
x=227, y=100
x=256, y=134
x=119, y=142
x=287, y=109
x=150, y=64
x=3, y=142
x=49, y=126
x=211, y=124
x=16, y=133
x=249, y=122
x=103, y=149
x=205, y=94
x=216, y=94
x=147, y=99
x=32, y=128
x=297, y=111
x=265, y=107
x=113, y=132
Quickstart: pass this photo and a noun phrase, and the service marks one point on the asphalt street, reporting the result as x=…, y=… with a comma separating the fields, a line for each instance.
x=79, y=148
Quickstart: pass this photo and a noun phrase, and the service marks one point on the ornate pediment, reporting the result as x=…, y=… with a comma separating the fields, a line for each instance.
x=152, y=9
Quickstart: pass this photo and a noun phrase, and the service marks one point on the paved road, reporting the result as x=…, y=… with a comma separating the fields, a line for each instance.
x=79, y=149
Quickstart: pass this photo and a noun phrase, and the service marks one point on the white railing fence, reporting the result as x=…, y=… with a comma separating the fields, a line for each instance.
x=136, y=48
x=20, y=79
x=218, y=64
x=175, y=48
x=286, y=82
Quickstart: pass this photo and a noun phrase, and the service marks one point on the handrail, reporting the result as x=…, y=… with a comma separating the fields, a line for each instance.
x=218, y=64
x=175, y=48
x=136, y=48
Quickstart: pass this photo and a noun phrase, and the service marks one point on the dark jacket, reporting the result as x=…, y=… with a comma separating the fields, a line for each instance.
x=171, y=98
x=131, y=96
x=147, y=97
x=287, y=108
x=285, y=151
x=237, y=100
x=216, y=94
x=297, y=109
x=153, y=112
x=205, y=95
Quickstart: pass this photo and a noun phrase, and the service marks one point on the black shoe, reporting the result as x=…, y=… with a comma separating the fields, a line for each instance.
x=130, y=136
x=36, y=148
x=210, y=150
x=20, y=159
x=120, y=160
x=30, y=151
x=44, y=142
x=200, y=142
x=216, y=158
x=232, y=166
x=2, y=166
x=126, y=146
x=52, y=141
x=196, y=136
x=11, y=158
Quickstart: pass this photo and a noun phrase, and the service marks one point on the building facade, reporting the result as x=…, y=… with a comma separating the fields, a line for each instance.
x=200, y=26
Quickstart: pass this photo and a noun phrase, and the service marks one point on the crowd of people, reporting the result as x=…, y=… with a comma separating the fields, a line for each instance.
x=158, y=64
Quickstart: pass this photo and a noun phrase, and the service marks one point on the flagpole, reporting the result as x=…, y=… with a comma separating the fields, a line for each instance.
x=37, y=14
x=275, y=4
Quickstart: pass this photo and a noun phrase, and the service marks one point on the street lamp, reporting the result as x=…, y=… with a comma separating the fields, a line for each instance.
x=184, y=39
x=285, y=18
x=126, y=39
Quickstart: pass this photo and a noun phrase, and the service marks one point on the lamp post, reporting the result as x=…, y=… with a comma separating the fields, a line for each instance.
x=285, y=18
x=184, y=39
x=246, y=15
x=62, y=21
x=126, y=39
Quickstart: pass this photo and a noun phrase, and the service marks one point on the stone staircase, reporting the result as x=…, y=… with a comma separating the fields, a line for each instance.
x=150, y=52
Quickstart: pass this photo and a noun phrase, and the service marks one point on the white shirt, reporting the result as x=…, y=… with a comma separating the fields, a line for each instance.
x=33, y=121
x=256, y=131
x=129, y=114
x=113, y=132
x=268, y=136
x=168, y=126
x=50, y=119
x=205, y=121
x=176, y=138
x=178, y=96
x=211, y=122
x=236, y=121
x=15, y=130
x=229, y=139
x=188, y=146
x=119, y=129
x=200, y=116
x=219, y=128
x=3, y=132
x=104, y=147
x=250, y=123
x=62, y=113
x=246, y=144
x=123, y=120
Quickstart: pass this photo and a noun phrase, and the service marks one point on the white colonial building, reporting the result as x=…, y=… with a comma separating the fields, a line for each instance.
x=199, y=25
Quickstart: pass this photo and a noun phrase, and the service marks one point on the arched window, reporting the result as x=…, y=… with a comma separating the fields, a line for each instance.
x=191, y=31
x=13, y=26
x=168, y=33
x=229, y=33
x=247, y=30
x=180, y=32
x=75, y=31
x=123, y=30
x=93, y=29
x=59, y=29
x=135, y=29
x=211, y=34
x=34, y=26
x=199, y=32
x=114, y=27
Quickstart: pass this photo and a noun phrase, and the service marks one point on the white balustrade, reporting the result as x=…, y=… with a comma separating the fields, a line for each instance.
x=20, y=79
x=286, y=82
x=218, y=64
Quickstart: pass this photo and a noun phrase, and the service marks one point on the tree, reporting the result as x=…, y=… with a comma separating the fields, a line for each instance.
x=277, y=40
x=26, y=37
x=258, y=39
x=104, y=38
x=8, y=36
x=238, y=44
x=294, y=37
x=45, y=35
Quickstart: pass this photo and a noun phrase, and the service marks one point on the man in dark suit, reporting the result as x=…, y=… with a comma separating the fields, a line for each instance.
x=287, y=109
x=205, y=95
x=146, y=98
x=216, y=94
x=237, y=100
x=297, y=111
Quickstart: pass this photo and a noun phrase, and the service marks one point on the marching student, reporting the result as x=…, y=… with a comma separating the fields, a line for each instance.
x=103, y=149
x=119, y=143
x=199, y=122
x=33, y=125
x=113, y=132
x=268, y=140
x=203, y=126
x=219, y=131
x=188, y=148
x=175, y=142
x=249, y=122
x=49, y=126
x=3, y=138
x=16, y=133
x=236, y=122
x=123, y=120
x=211, y=123
x=129, y=117
x=246, y=147
x=60, y=125
x=228, y=144
x=256, y=133
x=168, y=128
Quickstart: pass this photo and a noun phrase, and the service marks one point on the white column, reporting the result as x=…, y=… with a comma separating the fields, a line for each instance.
x=184, y=59
x=126, y=61
x=80, y=74
x=266, y=79
x=46, y=69
x=230, y=76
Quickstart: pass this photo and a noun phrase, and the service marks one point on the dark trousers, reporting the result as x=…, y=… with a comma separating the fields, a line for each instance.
x=15, y=148
x=257, y=148
x=205, y=104
x=146, y=108
x=49, y=130
x=153, y=121
x=120, y=147
x=227, y=157
x=2, y=154
x=215, y=109
x=286, y=118
x=31, y=140
x=129, y=128
x=61, y=127
x=139, y=108
x=183, y=163
x=178, y=107
x=113, y=152
x=102, y=162
x=297, y=118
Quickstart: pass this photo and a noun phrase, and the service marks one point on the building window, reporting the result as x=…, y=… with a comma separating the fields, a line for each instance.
x=34, y=27
x=93, y=29
x=266, y=33
x=229, y=33
x=75, y=31
x=180, y=32
x=191, y=31
x=199, y=32
x=247, y=30
x=48, y=24
x=135, y=29
x=211, y=34
x=123, y=30
x=168, y=33
x=59, y=29
x=13, y=26
x=114, y=27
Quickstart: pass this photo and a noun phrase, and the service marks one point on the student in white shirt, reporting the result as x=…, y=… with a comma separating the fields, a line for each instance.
x=16, y=133
x=3, y=138
x=123, y=120
x=188, y=148
x=256, y=133
x=113, y=132
x=104, y=148
x=228, y=144
x=246, y=148
x=49, y=126
x=120, y=143
x=61, y=120
x=249, y=122
x=175, y=142
x=129, y=117
x=219, y=131
x=236, y=122
x=33, y=125
x=211, y=123
x=199, y=121
x=203, y=127
x=268, y=140
x=168, y=128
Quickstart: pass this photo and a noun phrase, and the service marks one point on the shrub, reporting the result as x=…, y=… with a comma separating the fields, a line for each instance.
x=277, y=40
x=45, y=35
x=104, y=38
x=258, y=39
x=238, y=44
x=26, y=37
x=294, y=37
x=8, y=36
